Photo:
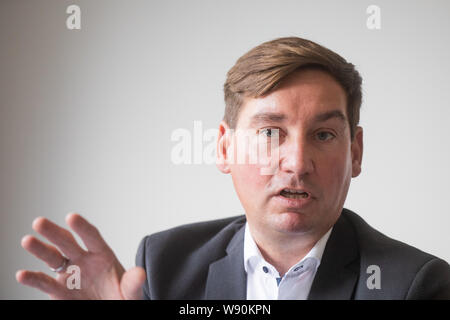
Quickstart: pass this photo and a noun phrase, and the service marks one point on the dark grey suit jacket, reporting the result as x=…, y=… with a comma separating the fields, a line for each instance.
x=206, y=261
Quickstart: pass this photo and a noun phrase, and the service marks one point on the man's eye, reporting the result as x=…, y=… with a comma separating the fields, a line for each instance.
x=269, y=132
x=324, y=134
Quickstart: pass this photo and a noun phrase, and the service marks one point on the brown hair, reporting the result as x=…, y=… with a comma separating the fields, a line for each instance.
x=260, y=70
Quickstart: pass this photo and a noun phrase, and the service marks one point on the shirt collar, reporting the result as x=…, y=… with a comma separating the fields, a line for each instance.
x=253, y=256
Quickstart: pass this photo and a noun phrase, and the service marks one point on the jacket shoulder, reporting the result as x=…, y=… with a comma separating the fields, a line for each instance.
x=177, y=260
x=380, y=245
x=406, y=271
x=195, y=234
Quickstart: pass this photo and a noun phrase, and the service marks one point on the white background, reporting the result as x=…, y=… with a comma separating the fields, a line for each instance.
x=86, y=115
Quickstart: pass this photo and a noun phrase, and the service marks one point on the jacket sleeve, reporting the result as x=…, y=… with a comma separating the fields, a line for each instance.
x=432, y=282
x=140, y=262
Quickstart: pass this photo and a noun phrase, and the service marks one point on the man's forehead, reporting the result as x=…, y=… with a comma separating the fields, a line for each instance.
x=314, y=99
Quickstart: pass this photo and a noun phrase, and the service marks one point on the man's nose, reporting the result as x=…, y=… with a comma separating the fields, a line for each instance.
x=296, y=157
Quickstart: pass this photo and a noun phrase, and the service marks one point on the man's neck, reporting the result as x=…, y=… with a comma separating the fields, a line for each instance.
x=284, y=251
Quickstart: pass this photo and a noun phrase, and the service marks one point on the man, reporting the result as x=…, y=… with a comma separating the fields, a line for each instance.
x=299, y=103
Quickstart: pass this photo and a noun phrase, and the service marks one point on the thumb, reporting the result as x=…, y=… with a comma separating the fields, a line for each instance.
x=131, y=283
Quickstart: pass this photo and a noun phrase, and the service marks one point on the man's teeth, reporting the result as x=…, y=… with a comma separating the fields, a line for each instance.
x=293, y=194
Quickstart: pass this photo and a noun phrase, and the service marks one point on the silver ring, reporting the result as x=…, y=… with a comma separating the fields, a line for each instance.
x=62, y=267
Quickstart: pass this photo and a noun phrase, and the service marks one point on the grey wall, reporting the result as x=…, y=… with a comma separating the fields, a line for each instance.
x=86, y=115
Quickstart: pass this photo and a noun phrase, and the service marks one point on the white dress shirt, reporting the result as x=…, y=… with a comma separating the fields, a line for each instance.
x=264, y=281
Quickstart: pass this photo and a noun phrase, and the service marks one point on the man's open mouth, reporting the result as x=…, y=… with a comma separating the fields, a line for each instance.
x=294, y=194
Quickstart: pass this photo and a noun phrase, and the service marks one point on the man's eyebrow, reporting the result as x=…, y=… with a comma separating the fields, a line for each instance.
x=263, y=117
x=330, y=115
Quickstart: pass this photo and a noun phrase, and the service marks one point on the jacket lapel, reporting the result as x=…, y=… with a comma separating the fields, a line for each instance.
x=227, y=279
x=338, y=272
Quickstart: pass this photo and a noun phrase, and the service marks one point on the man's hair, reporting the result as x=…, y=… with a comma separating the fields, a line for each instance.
x=259, y=72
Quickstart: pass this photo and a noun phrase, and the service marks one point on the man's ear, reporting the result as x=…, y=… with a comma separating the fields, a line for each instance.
x=223, y=153
x=357, y=152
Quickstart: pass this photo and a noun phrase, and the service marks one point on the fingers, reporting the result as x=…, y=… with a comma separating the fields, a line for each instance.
x=61, y=237
x=47, y=253
x=88, y=233
x=40, y=281
x=131, y=283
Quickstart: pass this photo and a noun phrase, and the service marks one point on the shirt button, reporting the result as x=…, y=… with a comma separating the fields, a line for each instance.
x=265, y=269
x=298, y=268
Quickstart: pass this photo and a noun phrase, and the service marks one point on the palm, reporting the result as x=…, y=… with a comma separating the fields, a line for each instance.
x=100, y=280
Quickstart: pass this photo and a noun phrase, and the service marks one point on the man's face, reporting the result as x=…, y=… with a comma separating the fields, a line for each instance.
x=314, y=154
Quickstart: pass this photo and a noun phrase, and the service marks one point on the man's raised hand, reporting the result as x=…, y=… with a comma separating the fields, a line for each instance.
x=102, y=275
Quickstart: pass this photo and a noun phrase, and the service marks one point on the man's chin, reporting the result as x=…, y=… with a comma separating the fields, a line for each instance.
x=291, y=222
